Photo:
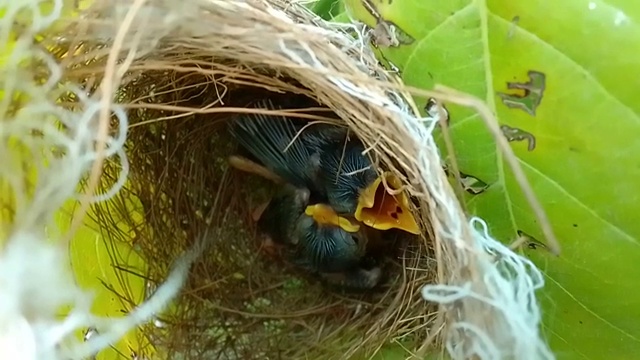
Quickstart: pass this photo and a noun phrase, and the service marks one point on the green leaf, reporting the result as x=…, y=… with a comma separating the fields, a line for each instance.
x=327, y=9
x=581, y=109
x=92, y=261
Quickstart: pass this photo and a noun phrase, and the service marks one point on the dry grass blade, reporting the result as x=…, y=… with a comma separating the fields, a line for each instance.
x=178, y=150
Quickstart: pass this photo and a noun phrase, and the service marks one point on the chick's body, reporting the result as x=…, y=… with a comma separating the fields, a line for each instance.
x=271, y=142
x=279, y=220
x=321, y=165
x=319, y=157
x=324, y=249
x=327, y=248
x=345, y=172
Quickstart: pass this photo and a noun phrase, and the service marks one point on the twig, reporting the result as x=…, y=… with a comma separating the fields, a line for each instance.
x=243, y=164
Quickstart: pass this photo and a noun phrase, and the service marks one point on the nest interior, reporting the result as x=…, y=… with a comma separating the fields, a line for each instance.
x=237, y=302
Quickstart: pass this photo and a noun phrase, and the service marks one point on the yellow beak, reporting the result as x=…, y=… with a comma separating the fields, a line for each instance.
x=324, y=214
x=381, y=210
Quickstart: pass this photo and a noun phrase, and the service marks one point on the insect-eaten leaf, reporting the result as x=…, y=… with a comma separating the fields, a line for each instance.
x=569, y=108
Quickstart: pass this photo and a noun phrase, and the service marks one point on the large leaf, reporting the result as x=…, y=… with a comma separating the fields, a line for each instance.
x=326, y=9
x=580, y=106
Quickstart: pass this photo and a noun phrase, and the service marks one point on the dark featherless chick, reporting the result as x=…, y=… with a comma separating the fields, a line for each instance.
x=326, y=160
x=317, y=239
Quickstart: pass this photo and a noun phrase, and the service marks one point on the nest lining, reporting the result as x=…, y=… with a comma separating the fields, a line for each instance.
x=236, y=302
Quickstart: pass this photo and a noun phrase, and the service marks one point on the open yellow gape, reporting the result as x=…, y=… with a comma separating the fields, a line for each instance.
x=324, y=214
x=381, y=210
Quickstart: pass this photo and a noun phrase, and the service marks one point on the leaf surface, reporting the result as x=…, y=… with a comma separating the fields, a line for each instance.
x=574, y=130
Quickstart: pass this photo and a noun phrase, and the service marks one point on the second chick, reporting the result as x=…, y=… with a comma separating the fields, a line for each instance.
x=318, y=240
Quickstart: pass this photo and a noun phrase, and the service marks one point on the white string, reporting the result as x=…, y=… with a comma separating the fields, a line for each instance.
x=35, y=278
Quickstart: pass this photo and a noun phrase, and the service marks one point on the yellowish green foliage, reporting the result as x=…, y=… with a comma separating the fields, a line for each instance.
x=90, y=251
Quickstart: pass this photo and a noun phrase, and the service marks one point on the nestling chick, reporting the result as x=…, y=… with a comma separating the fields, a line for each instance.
x=323, y=159
x=317, y=239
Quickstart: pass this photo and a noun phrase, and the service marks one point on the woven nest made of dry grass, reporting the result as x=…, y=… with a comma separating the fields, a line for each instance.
x=183, y=70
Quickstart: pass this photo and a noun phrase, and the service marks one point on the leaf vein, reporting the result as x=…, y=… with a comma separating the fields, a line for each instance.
x=490, y=99
x=566, y=342
x=591, y=311
x=579, y=202
x=457, y=123
x=437, y=28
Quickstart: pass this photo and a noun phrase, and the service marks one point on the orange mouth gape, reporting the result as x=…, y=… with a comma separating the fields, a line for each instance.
x=381, y=210
x=324, y=214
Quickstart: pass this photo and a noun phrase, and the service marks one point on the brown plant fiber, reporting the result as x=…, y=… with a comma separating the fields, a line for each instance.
x=183, y=69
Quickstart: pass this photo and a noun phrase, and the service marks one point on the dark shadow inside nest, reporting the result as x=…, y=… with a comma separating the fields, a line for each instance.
x=238, y=302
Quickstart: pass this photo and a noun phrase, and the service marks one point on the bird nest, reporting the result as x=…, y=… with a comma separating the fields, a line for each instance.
x=180, y=71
